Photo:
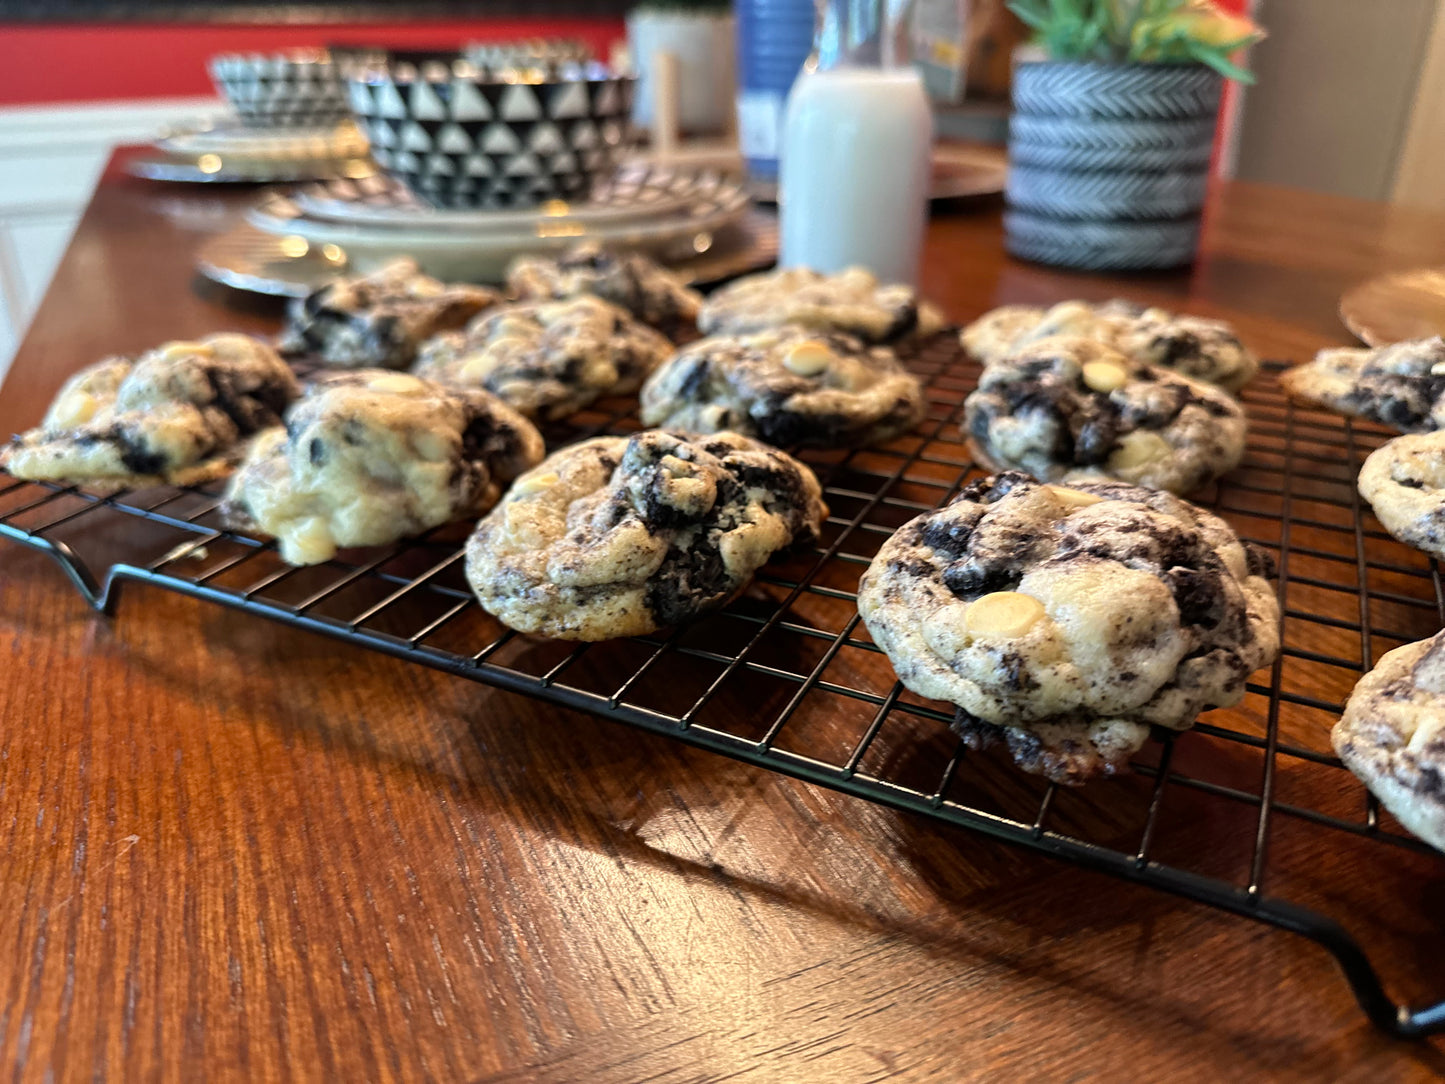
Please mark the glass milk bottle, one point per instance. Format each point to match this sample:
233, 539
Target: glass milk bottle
855, 155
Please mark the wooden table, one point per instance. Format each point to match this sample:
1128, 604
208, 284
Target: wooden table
238, 850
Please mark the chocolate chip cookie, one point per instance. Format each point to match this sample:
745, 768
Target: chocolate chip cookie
852, 301
1206, 350
787, 386
650, 292
1402, 385
1404, 481
1392, 736
548, 359
1069, 407
1066, 621
379, 320
620, 536
369, 457
174, 416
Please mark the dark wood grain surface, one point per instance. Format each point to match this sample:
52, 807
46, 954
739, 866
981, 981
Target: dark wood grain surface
233, 850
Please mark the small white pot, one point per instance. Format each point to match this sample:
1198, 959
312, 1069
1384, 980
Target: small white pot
703, 44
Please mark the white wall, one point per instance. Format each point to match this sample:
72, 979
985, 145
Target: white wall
50, 158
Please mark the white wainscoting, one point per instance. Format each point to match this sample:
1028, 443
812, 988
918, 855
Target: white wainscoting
50, 157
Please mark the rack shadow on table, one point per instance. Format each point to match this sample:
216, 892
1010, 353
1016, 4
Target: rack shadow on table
1249, 812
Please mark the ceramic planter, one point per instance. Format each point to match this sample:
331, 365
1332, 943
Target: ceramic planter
1109, 163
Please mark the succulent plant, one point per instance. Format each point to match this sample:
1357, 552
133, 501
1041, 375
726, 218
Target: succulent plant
1143, 31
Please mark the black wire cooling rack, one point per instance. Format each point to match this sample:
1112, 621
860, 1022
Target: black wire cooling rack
1249, 812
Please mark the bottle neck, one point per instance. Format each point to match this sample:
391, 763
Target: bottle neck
861, 34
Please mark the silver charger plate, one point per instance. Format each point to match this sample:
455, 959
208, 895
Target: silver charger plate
247, 259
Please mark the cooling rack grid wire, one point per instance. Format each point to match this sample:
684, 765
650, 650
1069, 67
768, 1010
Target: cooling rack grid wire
1248, 812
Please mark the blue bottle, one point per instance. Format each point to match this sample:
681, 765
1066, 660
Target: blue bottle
774, 39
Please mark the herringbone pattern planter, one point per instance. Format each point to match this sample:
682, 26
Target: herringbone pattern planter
1109, 163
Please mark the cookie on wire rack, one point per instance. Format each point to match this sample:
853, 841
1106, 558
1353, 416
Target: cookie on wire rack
852, 301
1404, 481
1401, 385
787, 386
1392, 736
621, 536
176, 415
1065, 622
1203, 349
369, 456
381, 319
650, 292
1068, 408
548, 359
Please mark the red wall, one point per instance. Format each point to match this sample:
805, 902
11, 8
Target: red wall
73, 63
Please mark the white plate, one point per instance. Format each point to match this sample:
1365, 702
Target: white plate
234, 170
339, 141
483, 255
635, 194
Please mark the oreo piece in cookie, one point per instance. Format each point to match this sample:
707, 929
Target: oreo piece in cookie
1401, 385
852, 301
650, 292
176, 415
1066, 621
369, 457
548, 359
620, 536
1392, 735
1068, 408
379, 320
787, 386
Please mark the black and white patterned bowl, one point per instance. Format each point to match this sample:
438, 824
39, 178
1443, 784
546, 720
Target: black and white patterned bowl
300, 89
459, 136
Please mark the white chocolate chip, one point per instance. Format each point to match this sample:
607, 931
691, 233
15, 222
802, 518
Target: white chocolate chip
1073, 498
1005, 614
182, 349
1104, 376
310, 542
1138, 449
425, 287
476, 369
74, 410
433, 447
1438, 369
1430, 724
507, 344
808, 358
511, 326
529, 484
396, 384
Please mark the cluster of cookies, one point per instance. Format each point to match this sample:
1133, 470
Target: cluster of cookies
1392, 734
610, 537
1071, 602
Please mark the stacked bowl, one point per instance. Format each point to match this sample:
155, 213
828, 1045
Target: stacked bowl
466, 136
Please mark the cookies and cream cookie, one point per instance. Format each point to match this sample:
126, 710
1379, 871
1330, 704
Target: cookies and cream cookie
1070, 407
1404, 481
379, 320
787, 386
1206, 350
852, 301
548, 359
620, 536
1392, 735
369, 456
1401, 385
651, 293
175, 415
1066, 621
